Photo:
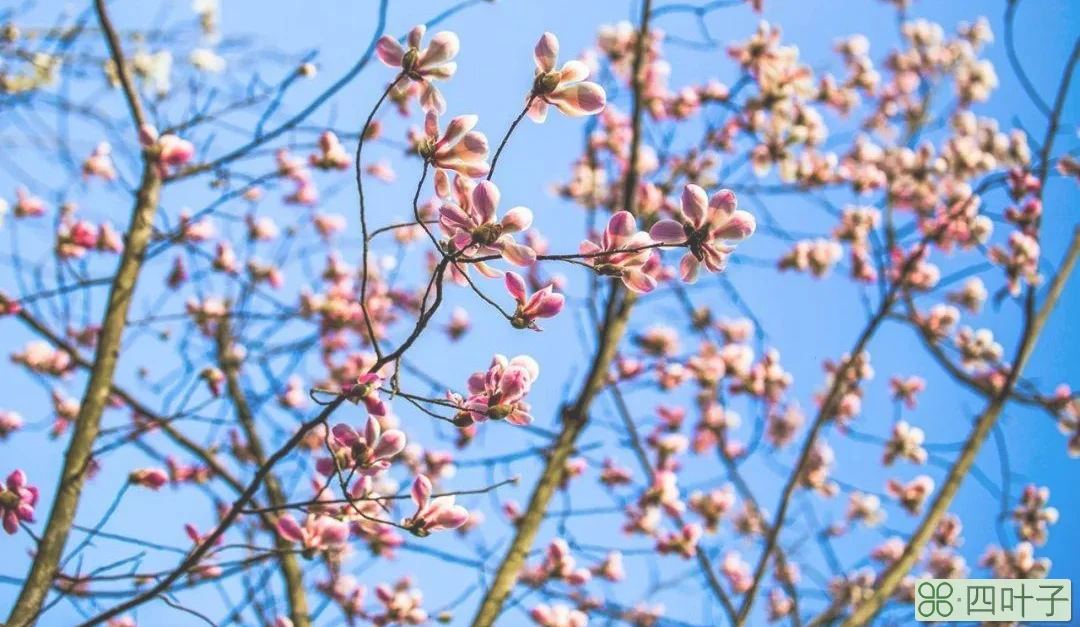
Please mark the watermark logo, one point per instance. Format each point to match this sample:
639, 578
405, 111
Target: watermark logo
1004, 600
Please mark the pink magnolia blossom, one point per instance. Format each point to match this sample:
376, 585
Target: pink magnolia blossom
565, 88
402, 604
702, 225
459, 149
436, 514
10, 422
623, 252
373, 451
170, 152
683, 542
422, 64
558, 616
319, 533
17, 501
911, 495
542, 304
331, 155
611, 568
99, 163
473, 227
152, 478
499, 393
366, 391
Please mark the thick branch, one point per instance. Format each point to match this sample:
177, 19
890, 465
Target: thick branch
290, 567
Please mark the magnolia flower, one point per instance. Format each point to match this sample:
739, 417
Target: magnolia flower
906, 443
27, 205
622, 252
152, 478
473, 225
366, 391
169, 151
558, 616
319, 533
433, 514
565, 88
1032, 516
460, 149
542, 304
703, 224
499, 393
99, 163
422, 65
10, 422
331, 155
911, 495
611, 568
17, 501
372, 452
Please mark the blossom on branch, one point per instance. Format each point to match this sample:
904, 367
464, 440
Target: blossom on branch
565, 88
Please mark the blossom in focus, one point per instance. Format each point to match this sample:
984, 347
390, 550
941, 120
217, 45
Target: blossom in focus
499, 393
542, 304
703, 225
435, 514
422, 64
623, 251
460, 148
472, 225
565, 88
366, 391
319, 533
372, 451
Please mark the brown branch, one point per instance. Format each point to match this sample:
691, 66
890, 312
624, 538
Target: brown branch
290, 568
620, 304
88, 422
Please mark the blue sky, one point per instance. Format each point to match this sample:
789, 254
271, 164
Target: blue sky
808, 320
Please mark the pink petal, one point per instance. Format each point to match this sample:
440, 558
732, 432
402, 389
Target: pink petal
515, 285
538, 110
288, 528
639, 281
517, 219
741, 226
517, 254
546, 52
668, 232
345, 435
421, 491
688, 268
573, 72
580, 99
390, 444
694, 203
389, 51
371, 431
444, 46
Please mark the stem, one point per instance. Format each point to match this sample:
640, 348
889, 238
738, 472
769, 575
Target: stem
506, 138
363, 216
